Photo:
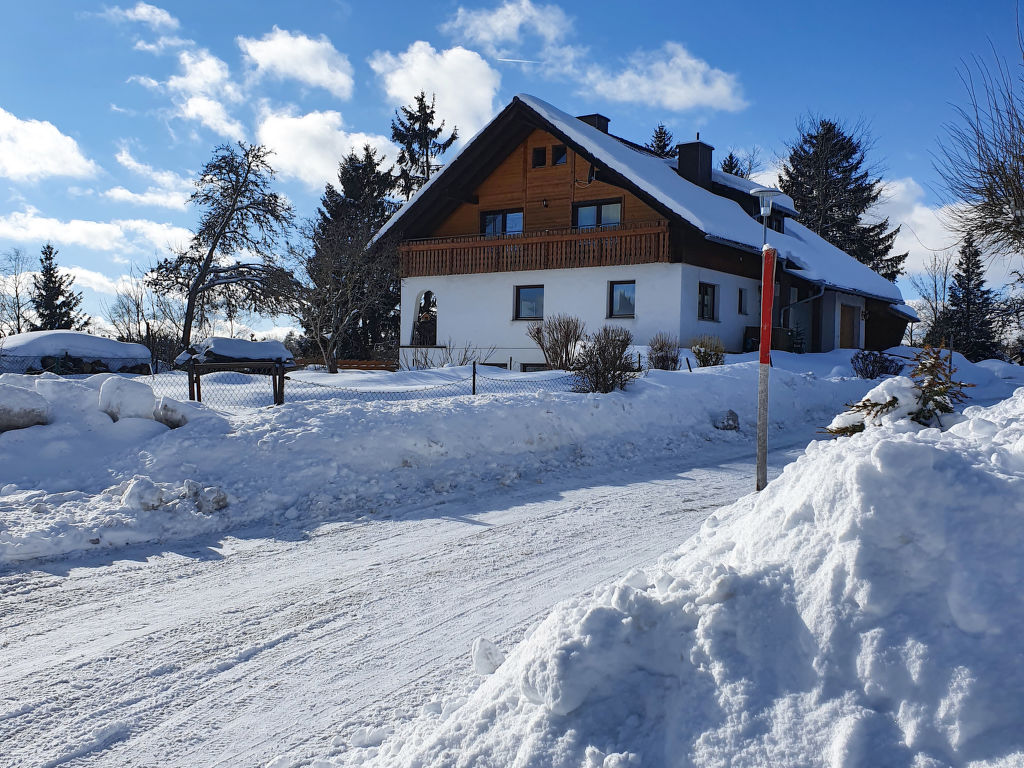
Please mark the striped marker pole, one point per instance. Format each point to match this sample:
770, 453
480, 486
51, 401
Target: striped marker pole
764, 368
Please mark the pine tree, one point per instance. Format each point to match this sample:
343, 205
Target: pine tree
971, 305
54, 303
662, 142
937, 391
826, 176
353, 289
420, 140
731, 164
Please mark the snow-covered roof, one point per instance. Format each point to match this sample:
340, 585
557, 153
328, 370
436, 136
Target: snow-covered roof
781, 201
74, 343
907, 311
719, 218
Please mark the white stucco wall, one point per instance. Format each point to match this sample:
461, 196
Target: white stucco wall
478, 309
729, 324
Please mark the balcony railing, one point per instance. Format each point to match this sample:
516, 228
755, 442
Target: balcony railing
639, 243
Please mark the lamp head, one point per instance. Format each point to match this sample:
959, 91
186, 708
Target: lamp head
765, 195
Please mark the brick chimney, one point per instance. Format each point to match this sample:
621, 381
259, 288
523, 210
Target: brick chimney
598, 121
694, 162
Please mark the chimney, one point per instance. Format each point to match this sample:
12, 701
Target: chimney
598, 121
694, 162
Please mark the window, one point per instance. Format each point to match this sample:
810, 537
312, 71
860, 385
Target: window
558, 154
742, 305
540, 157
794, 295
501, 223
706, 300
529, 302
622, 299
598, 214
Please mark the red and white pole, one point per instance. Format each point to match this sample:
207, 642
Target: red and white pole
764, 368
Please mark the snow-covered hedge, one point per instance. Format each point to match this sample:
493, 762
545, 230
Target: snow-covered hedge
39, 350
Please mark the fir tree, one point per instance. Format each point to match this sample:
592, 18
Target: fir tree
353, 289
827, 178
937, 391
731, 164
662, 142
420, 140
971, 305
54, 303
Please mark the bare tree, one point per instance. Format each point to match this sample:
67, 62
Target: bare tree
15, 290
981, 159
932, 286
240, 217
559, 338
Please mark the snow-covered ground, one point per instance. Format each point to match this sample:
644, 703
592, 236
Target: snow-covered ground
308, 581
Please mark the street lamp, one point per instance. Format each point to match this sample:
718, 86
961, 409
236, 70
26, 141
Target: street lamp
764, 196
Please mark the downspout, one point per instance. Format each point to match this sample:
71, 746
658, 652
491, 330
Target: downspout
818, 295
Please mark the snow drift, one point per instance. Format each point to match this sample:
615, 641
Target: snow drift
865, 609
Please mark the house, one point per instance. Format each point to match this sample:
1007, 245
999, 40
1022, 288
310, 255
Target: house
544, 213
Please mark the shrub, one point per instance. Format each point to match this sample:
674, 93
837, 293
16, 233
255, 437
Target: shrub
708, 350
873, 365
663, 352
604, 363
559, 338
938, 391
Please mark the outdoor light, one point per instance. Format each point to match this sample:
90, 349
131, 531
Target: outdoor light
764, 356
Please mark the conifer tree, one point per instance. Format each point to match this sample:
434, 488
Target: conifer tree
54, 302
662, 142
971, 306
413, 130
731, 164
827, 177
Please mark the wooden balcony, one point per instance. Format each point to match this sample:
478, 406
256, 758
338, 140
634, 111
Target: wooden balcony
637, 243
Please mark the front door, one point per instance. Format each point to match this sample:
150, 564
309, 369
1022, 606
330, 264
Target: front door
849, 325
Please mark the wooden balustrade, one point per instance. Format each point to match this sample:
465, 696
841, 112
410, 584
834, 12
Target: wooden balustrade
641, 243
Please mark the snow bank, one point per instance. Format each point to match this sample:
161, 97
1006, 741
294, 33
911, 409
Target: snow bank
865, 609
25, 350
222, 348
20, 408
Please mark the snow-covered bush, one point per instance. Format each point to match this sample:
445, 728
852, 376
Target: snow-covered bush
923, 399
663, 352
605, 364
708, 350
874, 365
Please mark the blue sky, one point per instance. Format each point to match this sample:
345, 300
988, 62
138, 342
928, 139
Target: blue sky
106, 111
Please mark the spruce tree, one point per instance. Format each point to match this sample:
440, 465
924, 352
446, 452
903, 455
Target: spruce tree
731, 164
413, 130
833, 189
662, 142
971, 305
54, 303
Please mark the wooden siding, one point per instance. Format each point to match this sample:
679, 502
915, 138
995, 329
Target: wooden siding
515, 184
639, 243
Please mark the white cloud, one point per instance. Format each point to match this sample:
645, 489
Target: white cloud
168, 189
30, 227
36, 149
97, 281
496, 28
670, 78
309, 147
144, 13
465, 85
162, 43
213, 115
313, 61
923, 230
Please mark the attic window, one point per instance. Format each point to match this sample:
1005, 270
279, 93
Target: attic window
558, 154
540, 157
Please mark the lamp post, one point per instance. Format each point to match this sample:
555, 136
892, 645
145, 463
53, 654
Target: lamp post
767, 297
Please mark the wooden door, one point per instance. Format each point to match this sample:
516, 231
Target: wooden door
849, 324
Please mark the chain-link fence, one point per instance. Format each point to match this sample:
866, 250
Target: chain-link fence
72, 365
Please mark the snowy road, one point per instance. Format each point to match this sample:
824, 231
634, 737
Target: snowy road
264, 644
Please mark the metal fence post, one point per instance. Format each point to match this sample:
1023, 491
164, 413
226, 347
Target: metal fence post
474, 377
280, 383
191, 380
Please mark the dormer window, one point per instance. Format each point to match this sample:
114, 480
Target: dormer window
558, 154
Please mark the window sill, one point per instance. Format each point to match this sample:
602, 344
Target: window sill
526, 319
620, 317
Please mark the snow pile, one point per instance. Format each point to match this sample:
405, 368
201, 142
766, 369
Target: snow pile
220, 348
865, 609
20, 408
26, 350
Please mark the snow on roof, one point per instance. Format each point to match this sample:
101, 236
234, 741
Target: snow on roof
235, 349
907, 311
782, 201
74, 343
717, 217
